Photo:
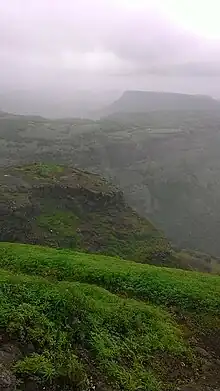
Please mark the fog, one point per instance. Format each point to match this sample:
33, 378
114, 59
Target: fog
59, 47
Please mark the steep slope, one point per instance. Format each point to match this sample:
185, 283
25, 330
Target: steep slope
166, 163
143, 101
64, 207
75, 321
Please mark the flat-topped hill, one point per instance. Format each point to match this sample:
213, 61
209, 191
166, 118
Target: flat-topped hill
144, 101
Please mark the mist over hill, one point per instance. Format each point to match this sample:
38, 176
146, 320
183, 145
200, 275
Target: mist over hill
57, 101
146, 101
166, 162
109, 195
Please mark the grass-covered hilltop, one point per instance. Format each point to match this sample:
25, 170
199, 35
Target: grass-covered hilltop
82, 304
59, 206
65, 207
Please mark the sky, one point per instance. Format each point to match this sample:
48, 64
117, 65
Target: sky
110, 44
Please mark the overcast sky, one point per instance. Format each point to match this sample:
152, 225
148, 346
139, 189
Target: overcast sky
160, 44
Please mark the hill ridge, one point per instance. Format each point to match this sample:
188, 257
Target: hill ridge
146, 101
66, 207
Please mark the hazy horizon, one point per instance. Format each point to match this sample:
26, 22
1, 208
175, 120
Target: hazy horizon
61, 48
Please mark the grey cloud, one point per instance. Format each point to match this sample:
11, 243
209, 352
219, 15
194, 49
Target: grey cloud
190, 69
52, 41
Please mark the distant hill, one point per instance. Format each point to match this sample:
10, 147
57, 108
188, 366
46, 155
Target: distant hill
145, 101
11, 116
53, 103
3, 114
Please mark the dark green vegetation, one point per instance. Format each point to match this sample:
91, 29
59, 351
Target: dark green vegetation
167, 163
82, 336
64, 207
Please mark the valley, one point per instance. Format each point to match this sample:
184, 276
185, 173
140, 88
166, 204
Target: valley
166, 163
109, 251
109, 195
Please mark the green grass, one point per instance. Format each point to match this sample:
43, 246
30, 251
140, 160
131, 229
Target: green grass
120, 335
127, 235
60, 301
187, 290
62, 222
42, 170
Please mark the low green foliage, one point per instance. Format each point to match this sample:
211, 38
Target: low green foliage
36, 365
49, 366
120, 335
187, 290
43, 170
64, 223
55, 300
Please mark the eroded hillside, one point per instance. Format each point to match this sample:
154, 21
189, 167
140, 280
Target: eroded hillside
166, 163
65, 207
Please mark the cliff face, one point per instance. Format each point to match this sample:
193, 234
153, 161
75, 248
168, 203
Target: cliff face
63, 207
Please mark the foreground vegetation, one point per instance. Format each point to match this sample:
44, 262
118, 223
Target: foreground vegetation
189, 290
85, 336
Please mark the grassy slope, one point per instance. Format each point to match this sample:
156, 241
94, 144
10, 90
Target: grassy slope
58, 206
61, 302
160, 285
181, 181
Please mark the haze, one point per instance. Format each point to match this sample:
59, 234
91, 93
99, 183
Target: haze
110, 45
